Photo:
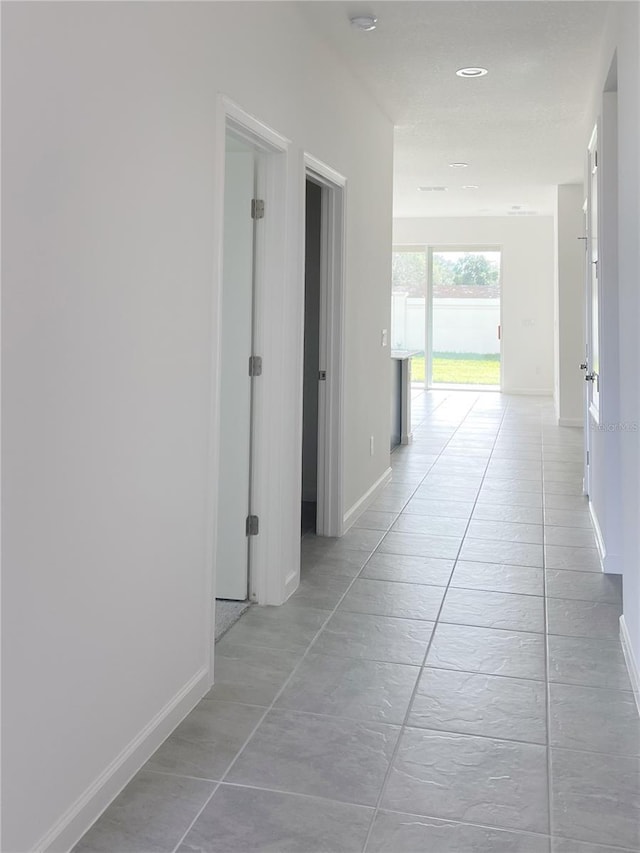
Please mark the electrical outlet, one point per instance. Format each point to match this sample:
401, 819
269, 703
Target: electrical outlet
384, 337
371, 445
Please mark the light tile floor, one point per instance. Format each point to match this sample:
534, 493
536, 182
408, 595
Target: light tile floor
448, 677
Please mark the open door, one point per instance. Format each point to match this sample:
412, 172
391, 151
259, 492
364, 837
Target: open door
591, 365
234, 486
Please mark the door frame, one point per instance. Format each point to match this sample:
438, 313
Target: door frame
591, 405
428, 356
330, 506
266, 581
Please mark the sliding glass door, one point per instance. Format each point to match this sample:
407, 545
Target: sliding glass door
463, 318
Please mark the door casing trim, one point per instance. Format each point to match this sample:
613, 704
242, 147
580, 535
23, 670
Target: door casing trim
267, 581
331, 392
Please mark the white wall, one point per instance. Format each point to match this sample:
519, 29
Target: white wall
570, 322
622, 39
629, 276
527, 246
109, 121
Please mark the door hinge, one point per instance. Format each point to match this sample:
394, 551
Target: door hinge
255, 365
587, 457
322, 375
257, 208
252, 526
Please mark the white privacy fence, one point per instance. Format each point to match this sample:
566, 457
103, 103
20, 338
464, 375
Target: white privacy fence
459, 325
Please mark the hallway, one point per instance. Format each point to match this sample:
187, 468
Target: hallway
408, 698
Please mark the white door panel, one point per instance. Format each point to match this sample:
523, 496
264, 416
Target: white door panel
592, 305
235, 392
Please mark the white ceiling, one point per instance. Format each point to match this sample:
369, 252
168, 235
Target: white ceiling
521, 128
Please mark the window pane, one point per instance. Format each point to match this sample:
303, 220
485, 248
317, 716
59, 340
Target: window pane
465, 318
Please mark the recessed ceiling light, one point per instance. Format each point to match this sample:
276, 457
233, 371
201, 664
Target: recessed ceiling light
470, 187
458, 165
472, 72
364, 22
432, 189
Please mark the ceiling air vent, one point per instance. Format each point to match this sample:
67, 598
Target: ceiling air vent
522, 212
432, 189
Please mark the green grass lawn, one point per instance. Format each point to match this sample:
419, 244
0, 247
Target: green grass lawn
464, 368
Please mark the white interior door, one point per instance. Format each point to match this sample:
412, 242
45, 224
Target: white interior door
594, 300
586, 486
232, 556
592, 360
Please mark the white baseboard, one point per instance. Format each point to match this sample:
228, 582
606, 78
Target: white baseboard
571, 422
360, 506
100, 794
291, 584
610, 563
602, 551
630, 660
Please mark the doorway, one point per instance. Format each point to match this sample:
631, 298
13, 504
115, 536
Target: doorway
312, 376
251, 166
322, 385
269, 561
591, 363
464, 318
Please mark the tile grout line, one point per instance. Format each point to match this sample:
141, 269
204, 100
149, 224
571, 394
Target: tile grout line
317, 797
471, 418
547, 704
409, 710
270, 707
391, 724
333, 611
285, 684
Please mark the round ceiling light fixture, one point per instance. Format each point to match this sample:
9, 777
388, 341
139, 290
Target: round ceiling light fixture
364, 22
470, 187
473, 71
458, 165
